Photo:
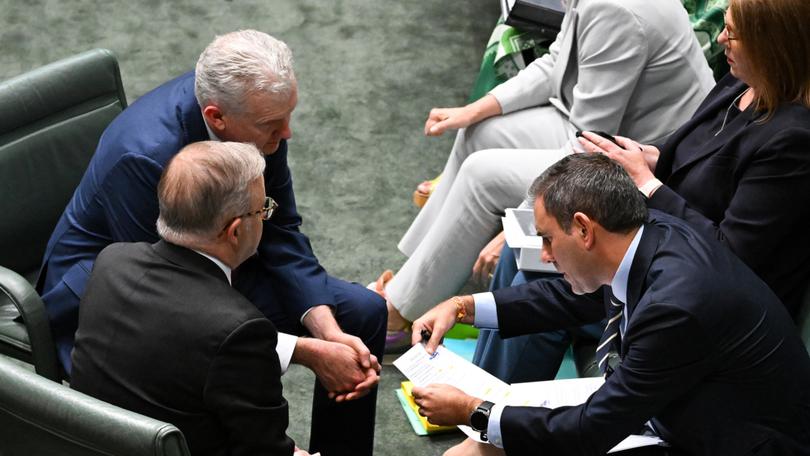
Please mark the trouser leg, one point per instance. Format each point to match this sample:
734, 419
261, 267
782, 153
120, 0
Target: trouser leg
347, 428
487, 183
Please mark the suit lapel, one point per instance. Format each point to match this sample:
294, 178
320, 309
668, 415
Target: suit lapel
721, 103
636, 283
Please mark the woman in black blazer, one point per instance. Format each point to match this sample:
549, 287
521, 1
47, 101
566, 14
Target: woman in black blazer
739, 170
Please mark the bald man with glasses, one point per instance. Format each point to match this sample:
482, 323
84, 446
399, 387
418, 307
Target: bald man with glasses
161, 330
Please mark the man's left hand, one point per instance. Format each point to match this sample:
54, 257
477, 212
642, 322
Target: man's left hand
369, 363
445, 405
322, 324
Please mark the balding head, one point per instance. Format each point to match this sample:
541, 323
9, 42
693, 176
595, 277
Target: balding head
204, 186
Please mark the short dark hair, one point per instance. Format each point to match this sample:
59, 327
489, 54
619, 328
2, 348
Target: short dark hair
594, 185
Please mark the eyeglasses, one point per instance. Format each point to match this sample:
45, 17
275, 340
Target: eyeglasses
266, 211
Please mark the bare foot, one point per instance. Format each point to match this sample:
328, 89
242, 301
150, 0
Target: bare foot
396, 322
425, 188
470, 447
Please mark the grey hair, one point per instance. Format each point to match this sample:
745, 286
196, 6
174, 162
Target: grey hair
594, 185
238, 64
204, 186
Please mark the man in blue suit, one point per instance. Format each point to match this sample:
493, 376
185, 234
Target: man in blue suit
243, 89
706, 354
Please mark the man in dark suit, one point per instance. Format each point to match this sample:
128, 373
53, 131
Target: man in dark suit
244, 90
707, 355
161, 330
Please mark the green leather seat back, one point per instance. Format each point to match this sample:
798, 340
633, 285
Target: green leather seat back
39, 417
51, 119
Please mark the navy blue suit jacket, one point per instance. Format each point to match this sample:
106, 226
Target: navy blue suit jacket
748, 188
116, 201
709, 353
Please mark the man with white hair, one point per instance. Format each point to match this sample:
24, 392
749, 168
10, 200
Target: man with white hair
244, 90
163, 333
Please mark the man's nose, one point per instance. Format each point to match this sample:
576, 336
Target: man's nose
546, 256
286, 132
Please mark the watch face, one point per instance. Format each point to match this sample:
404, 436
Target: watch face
479, 420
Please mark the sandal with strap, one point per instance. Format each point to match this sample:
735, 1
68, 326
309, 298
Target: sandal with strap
424, 190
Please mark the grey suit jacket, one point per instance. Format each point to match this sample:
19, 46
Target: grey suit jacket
627, 67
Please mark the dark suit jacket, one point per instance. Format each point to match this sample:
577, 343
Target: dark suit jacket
709, 352
162, 333
116, 201
749, 189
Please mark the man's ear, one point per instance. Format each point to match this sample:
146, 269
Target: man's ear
214, 118
232, 232
583, 228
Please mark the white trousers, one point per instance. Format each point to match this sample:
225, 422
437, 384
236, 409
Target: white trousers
490, 169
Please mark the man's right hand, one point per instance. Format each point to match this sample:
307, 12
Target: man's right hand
437, 321
337, 367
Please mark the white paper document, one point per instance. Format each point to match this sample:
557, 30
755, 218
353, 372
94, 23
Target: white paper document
446, 367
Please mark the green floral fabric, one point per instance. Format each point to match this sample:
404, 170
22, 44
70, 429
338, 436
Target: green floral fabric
509, 50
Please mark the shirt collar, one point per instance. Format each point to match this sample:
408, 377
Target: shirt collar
223, 266
620, 279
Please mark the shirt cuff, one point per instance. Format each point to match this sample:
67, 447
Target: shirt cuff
650, 187
486, 314
494, 427
303, 315
284, 349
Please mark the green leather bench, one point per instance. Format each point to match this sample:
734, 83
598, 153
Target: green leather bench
51, 119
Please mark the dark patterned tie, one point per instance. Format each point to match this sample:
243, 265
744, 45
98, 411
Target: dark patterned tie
607, 351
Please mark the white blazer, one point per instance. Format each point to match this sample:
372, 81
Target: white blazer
627, 67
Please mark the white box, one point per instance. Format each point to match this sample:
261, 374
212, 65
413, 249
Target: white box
518, 226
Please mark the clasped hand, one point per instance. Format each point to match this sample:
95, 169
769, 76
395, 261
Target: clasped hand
342, 362
346, 368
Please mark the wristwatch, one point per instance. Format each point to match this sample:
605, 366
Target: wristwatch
479, 418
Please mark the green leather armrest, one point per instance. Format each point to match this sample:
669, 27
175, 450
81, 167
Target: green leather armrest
17, 294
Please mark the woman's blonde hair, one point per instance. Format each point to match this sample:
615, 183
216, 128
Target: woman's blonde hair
776, 39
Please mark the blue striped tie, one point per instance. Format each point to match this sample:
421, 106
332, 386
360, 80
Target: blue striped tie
607, 355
